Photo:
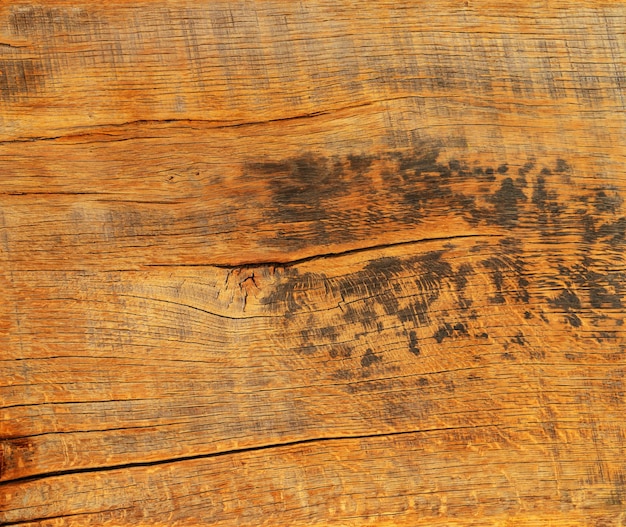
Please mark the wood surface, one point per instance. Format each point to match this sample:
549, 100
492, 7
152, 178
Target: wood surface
312, 263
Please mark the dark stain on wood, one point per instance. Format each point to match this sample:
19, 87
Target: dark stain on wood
19, 76
449, 331
58, 22
413, 343
506, 202
417, 184
369, 358
338, 387
407, 187
519, 339
13, 449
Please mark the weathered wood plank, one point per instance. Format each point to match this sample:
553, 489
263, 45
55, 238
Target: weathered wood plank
490, 476
267, 263
232, 62
207, 207
416, 78
181, 362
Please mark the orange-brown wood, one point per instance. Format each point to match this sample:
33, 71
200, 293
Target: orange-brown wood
278, 263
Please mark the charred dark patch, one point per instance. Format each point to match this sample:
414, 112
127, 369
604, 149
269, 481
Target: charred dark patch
604, 336
562, 166
416, 312
461, 279
329, 333
448, 330
496, 266
460, 328
567, 301
611, 232
540, 195
369, 358
413, 347
508, 267
600, 297
506, 202
389, 302
449, 385
429, 271
394, 189
360, 163
308, 348
307, 191
386, 267
461, 276
343, 374
573, 320
519, 339
607, 202
604, 289
302, 187
488, 174
548, 209
342, 350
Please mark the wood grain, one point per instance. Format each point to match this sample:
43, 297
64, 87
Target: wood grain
275, 263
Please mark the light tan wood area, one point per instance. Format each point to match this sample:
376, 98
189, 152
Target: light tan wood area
312, 263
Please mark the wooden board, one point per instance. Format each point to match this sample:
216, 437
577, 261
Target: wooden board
278, 263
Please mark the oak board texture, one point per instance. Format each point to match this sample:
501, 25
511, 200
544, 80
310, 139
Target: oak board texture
267, 262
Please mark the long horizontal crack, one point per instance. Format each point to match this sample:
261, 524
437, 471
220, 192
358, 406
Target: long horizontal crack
13, 45
32, 521
236, 451
109, 197
336, 254
196, 308
212, 124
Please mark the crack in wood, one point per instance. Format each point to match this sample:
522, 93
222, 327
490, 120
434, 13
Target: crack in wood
337, 254
31, 521
209, 123
234, 451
